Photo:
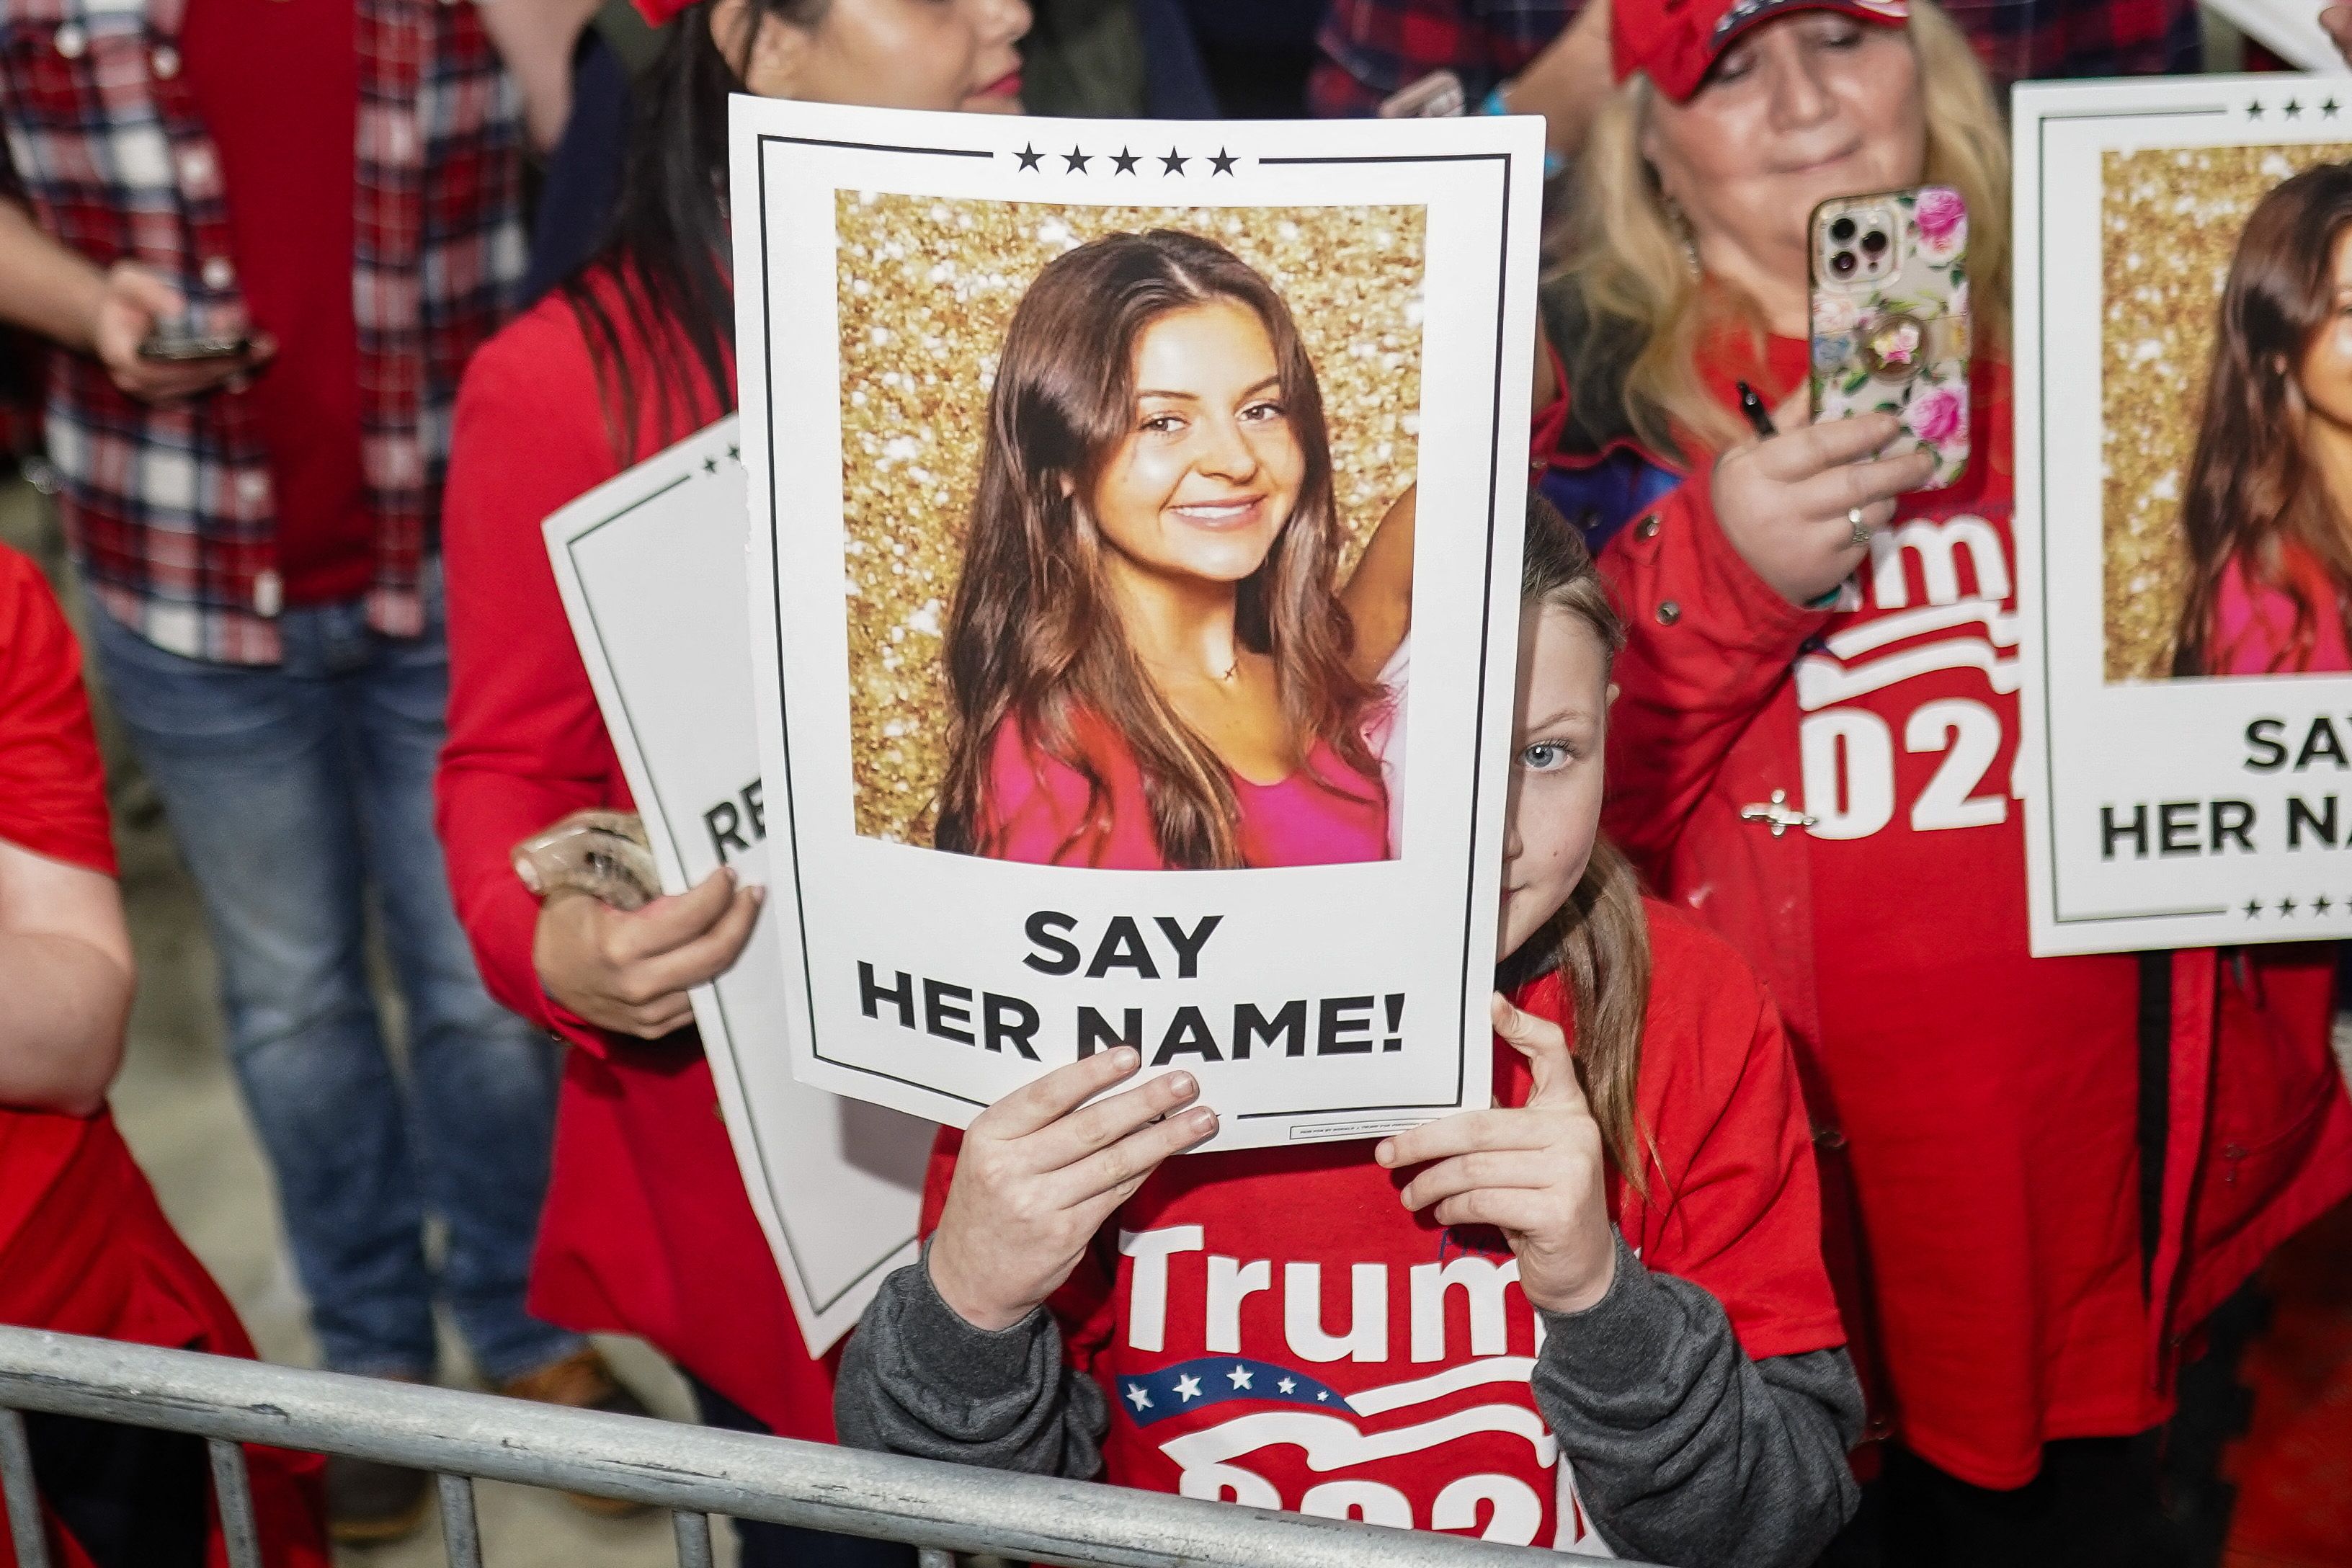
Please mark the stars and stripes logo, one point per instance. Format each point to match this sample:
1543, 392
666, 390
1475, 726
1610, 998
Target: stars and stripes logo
1196, 1384
1476, 1457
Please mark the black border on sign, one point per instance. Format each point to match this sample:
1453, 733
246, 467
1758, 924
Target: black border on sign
2042, 438
1493, 469
718, 990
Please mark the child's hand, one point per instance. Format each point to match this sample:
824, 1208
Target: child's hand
1534, 1172
1040, 1172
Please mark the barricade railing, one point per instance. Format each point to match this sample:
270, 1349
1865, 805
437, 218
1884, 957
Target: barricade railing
694, 1472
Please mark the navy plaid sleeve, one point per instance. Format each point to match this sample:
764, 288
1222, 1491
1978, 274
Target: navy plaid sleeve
2019, 39
1371, 48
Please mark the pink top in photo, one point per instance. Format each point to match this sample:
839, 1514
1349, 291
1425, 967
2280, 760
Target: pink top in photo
2254, 623
1324, 814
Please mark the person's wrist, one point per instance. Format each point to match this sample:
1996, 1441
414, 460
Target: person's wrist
1583, 1292
962, 1295
93, 291
553, 940
1498, 101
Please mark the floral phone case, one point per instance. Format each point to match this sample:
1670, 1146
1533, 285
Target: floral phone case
1891, 318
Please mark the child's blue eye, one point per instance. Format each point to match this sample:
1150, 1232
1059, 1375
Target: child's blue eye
1545, 756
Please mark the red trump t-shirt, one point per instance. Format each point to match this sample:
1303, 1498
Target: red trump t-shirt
1273, 1327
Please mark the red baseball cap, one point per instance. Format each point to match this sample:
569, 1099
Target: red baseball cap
659, 12
1678, 41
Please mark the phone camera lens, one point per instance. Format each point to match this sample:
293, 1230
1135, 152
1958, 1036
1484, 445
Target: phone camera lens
1841, 230
1842, 263
1874, 242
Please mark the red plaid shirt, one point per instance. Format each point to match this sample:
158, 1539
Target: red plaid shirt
171, 509
1371, 48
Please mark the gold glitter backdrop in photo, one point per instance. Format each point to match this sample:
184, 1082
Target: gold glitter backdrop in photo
2170, 220
928, 287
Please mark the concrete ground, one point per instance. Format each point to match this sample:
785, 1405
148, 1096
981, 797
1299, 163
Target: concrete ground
181, 1113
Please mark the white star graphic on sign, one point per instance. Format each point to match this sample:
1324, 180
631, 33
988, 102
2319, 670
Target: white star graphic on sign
1136, 1393
1188, 1388
1239, 1377
1288, 1386
1321, 1395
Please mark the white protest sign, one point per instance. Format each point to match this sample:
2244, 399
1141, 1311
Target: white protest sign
2182, 765
1111, 408
2288, 29
651, 569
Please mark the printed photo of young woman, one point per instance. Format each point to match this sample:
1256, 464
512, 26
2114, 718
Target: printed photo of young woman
2268, 508
2226, 385
1174, 630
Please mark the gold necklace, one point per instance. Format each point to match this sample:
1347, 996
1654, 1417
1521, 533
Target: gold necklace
1224, 677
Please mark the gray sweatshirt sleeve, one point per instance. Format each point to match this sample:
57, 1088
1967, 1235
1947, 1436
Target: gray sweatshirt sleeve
917, 1379
1685, 1451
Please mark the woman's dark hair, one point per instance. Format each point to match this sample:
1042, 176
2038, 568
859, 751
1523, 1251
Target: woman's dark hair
660, 340
2251, 483
1599, 939
1033, 636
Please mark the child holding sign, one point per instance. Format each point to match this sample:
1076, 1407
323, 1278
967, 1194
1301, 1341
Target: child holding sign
1645, 1356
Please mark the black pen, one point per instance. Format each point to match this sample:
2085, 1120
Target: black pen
1759, 418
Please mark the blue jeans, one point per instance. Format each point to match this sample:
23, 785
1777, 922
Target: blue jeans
301, 795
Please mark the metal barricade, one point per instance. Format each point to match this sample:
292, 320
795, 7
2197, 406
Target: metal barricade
692, 1471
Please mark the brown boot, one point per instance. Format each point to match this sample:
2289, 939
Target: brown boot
582, 1381
370, 1503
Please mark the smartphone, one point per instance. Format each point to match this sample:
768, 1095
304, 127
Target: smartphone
1890, 302
604, 854
1437, 96
177, 347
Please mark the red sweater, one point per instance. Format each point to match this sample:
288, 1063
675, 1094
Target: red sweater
647, 1228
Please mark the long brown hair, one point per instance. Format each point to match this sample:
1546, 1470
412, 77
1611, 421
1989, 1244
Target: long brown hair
1033, 636
2251, 484
1601, 938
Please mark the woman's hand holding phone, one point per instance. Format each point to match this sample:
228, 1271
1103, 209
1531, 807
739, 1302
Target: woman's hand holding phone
1041, 1170
629, 970
131, 303
1533, 1171
1787, 503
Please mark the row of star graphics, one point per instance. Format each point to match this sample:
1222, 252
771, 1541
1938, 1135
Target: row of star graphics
1076, 160
2293, 108
2287, 908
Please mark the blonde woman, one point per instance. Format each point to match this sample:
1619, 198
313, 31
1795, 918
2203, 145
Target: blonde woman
2039, 1169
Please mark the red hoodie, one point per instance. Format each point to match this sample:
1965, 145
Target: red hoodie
1831, 790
